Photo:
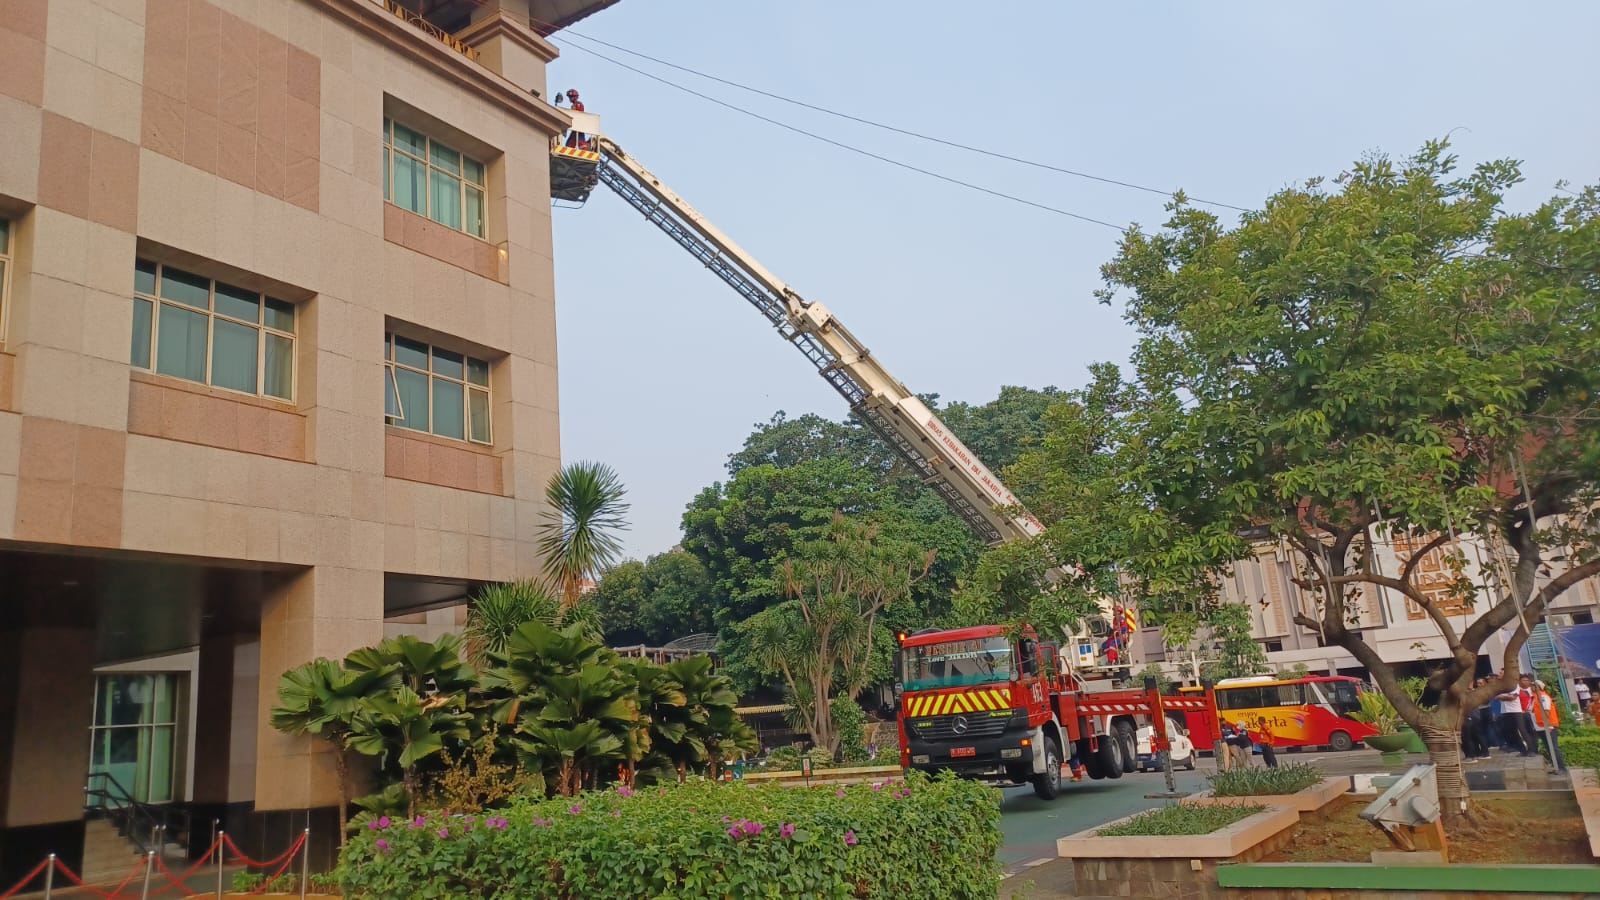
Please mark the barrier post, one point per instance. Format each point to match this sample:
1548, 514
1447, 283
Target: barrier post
149, 864
222, 837
305, 860
50, 877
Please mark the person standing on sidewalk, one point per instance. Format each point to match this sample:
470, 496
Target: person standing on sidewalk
1521, 702
1548, 720
1508, 716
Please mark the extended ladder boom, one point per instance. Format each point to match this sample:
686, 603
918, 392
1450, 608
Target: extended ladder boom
877, 397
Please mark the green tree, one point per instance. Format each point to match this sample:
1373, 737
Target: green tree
1392, 357
579, 537
404, 728
820, 640
656, 602
1000, 431
320, 698
1233, 648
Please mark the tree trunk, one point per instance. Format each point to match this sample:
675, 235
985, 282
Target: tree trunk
410, 779
1444, 751
342, 767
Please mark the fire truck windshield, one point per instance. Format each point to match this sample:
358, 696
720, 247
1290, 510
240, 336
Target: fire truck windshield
958, 663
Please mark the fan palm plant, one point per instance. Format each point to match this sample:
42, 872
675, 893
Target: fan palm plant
500, 609
320, 698
579, 538
415, 726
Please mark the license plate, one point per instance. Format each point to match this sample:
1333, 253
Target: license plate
958, 752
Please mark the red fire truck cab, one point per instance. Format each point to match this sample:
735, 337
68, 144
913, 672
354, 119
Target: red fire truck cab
993, 702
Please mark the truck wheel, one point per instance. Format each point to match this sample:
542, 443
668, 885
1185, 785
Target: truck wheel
1124, 733
1340, 741
1090, 760
1110, 754
1047, 784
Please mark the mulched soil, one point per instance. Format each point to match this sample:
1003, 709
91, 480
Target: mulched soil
1500, 831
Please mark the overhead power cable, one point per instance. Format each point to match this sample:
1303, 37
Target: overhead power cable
934, 139
853, 149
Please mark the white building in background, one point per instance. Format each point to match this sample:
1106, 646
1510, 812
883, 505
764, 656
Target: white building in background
1399, 629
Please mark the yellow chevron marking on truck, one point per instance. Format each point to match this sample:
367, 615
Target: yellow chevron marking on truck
962, 702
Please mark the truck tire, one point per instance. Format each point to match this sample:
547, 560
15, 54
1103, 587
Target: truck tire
1047, 784
1110, 754
1090, 760
1130, 749
1340, 741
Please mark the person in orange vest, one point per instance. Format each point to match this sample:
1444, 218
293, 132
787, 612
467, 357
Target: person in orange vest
1548, 721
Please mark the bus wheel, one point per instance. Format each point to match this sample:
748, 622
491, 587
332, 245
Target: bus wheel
1340, 741
1110, 754
1047, 784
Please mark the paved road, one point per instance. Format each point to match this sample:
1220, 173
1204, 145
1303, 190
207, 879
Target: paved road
1031, 825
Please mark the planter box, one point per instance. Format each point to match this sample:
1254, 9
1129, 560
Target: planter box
828, 776
1171, 865
1586, 790
1355, 880
1306, 801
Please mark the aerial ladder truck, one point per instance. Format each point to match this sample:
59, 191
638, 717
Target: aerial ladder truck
993, 702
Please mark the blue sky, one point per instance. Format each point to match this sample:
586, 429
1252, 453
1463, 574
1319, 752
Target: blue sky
664, 370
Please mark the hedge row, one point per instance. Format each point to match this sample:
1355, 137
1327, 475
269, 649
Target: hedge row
1579, 752
893, 839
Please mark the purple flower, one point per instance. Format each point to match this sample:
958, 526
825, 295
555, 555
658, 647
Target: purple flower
383, 845
786, 830
419, 821
444, 832
753, 828
850, 838
616, 813
726, 819
735, 832
497, 822
383, 821
575, 809
372, 826
625, 791
841, 793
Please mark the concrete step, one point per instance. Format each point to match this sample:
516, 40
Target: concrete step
107, 855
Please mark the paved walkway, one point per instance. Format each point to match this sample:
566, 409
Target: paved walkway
1032, 872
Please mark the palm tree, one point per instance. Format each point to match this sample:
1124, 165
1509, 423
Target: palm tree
321, 698
416, 726
500, 609
579, 537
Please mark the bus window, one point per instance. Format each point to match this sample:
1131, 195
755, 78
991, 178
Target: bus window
1239, 698
1288, 694
1342, 696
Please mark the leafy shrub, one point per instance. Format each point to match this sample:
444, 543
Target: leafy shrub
1581, 752
850, 724
1171, 820
1250, 781
820, 758
1376, 710
783, 759
695, 840
245, 882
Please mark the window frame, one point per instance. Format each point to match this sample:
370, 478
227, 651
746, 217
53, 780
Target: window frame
7, 266
463, 184
262, 329
392, 367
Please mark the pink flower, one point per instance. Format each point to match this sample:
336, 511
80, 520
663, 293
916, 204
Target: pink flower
625, 791
726, 819
850, 838
841, 793
383, 845
444, 832
753, 828
877, 787
372, 825
615, 813
575, 810
419, 821
786, 830
383, 821
735, 832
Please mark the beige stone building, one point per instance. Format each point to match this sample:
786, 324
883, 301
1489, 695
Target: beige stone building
277, 364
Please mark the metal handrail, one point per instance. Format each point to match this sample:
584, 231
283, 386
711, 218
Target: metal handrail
157, 820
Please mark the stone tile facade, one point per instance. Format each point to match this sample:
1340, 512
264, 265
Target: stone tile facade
241, 141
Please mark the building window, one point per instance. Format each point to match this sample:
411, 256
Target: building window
1273, 646
426, 177
5, 272
133, 738
436, 390
191, 327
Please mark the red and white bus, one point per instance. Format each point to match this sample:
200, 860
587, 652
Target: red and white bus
1288, 712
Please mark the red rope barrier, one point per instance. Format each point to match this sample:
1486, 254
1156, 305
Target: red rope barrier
262, 864
116, 892
26, 879
287, 860
179, 880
